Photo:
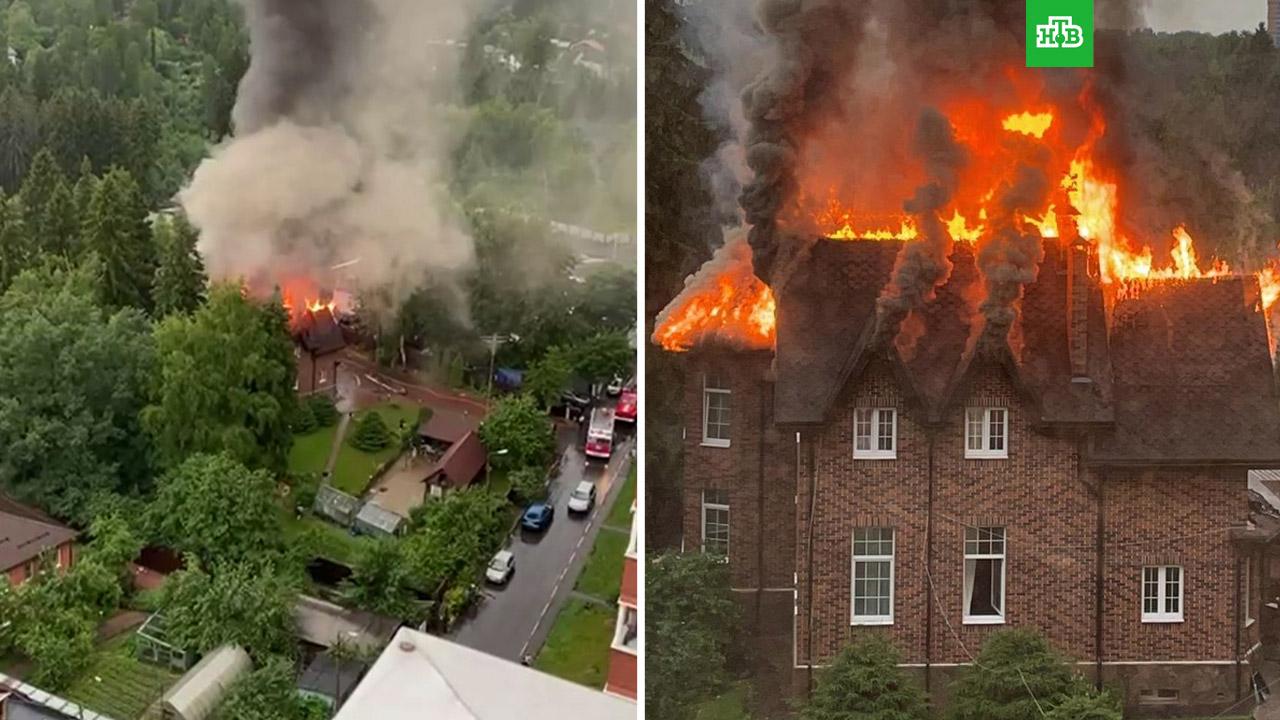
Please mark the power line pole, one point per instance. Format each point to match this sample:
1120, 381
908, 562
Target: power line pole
493, 341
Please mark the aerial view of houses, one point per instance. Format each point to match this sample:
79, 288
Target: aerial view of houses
968, 399
317, 359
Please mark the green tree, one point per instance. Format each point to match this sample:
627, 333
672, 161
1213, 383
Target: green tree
16, 253
691, 615
61, 225
529, 484
322, 407
72, 381
603, 356
515, 424
304, 420
549, 376
379, 582
180, 278
268, 693
85, 188
19, 134
1085, 704
59, 645
451, 537
216, 509
225, 382
1016, 674
44, 197
865, 682
248, 604
371, 433
116, 229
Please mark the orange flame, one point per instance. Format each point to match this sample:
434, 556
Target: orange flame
725, 300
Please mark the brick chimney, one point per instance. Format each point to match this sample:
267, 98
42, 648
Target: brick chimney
1078, 258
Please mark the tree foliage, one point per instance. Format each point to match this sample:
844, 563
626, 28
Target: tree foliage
180, 278
323, 409
865, 682
529, 484
548, 377
116, 229
603, 356
1085, 704
1016, 674
453, 535
216, 509
515, 424
248, 604
691, 616
225, 383
380, 582
268, 693
371, 433
72, 381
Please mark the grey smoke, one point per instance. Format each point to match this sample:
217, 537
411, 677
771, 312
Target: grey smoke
923, 264
1008, 258
339, 150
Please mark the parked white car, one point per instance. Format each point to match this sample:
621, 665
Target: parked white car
501, 567
583, 497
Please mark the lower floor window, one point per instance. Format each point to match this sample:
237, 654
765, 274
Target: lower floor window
1162, 593
984, 575
873, 576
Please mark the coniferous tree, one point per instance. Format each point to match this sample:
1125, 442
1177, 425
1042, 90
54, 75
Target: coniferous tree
86, 184
52, 220
62, 223
116, 229
866, 682
15, 246
371, 434
180, 278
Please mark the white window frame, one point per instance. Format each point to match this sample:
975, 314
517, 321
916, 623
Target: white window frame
854, 618
717, 506
708, 389
620, 630
873, 418
1162, 596
984, 415
975, 534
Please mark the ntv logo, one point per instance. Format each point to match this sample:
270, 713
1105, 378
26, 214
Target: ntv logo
1059, 32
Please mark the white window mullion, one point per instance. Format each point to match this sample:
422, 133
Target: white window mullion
1162, 593
871, 590
986, 433
875, 433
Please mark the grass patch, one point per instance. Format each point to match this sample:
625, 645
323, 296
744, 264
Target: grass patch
326, 539
500, 483
728, 705
311, 451
119, 685
602, 576
353, 468
620, 515
578, 647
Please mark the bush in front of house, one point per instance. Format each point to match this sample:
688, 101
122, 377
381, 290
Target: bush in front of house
1017, 674
528, 484
371, 433
322, 409
304, 419
865, 682
1087, 705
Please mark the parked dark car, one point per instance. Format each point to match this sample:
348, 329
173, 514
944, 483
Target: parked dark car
537, 517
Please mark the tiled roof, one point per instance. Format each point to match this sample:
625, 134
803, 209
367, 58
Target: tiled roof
1177, 372
25, 533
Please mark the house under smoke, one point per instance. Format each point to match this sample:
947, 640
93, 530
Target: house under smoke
1085, 477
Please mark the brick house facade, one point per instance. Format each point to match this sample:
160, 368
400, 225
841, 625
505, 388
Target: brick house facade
1126, 429
31, 541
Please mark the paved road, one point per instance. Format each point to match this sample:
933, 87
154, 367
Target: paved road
513, 621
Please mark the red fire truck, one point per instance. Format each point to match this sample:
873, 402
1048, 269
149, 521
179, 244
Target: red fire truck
600, 434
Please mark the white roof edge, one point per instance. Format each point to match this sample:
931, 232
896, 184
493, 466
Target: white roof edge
48, 700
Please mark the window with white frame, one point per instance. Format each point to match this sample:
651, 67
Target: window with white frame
628, 627
872, 576
1162, 593
715, 522
715, 411
875, 433
986, 432
984, 575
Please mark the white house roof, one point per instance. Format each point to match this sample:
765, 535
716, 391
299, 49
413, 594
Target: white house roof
421, 676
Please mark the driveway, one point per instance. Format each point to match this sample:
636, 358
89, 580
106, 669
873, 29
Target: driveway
513, 621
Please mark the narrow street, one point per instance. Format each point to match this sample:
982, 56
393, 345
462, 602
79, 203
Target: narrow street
513, 621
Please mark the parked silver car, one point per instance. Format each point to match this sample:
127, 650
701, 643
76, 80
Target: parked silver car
501, 567
583, 497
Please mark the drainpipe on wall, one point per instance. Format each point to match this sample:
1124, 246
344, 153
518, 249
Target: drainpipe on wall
1099, 566
764, 416
1239, 623
928, 572
813, 493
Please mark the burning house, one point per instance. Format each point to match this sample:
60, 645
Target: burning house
993, 406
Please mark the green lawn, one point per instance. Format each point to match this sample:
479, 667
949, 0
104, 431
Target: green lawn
119, 685
602, 576
578, 647
353, 468
729, 705
620, 515
311, 451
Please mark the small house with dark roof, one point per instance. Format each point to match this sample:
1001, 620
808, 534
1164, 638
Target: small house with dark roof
460, 465
28, 538
1084, 474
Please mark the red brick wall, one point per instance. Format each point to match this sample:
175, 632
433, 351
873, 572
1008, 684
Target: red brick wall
66, 556
622, 673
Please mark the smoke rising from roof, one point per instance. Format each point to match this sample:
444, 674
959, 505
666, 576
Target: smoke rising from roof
337, 152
